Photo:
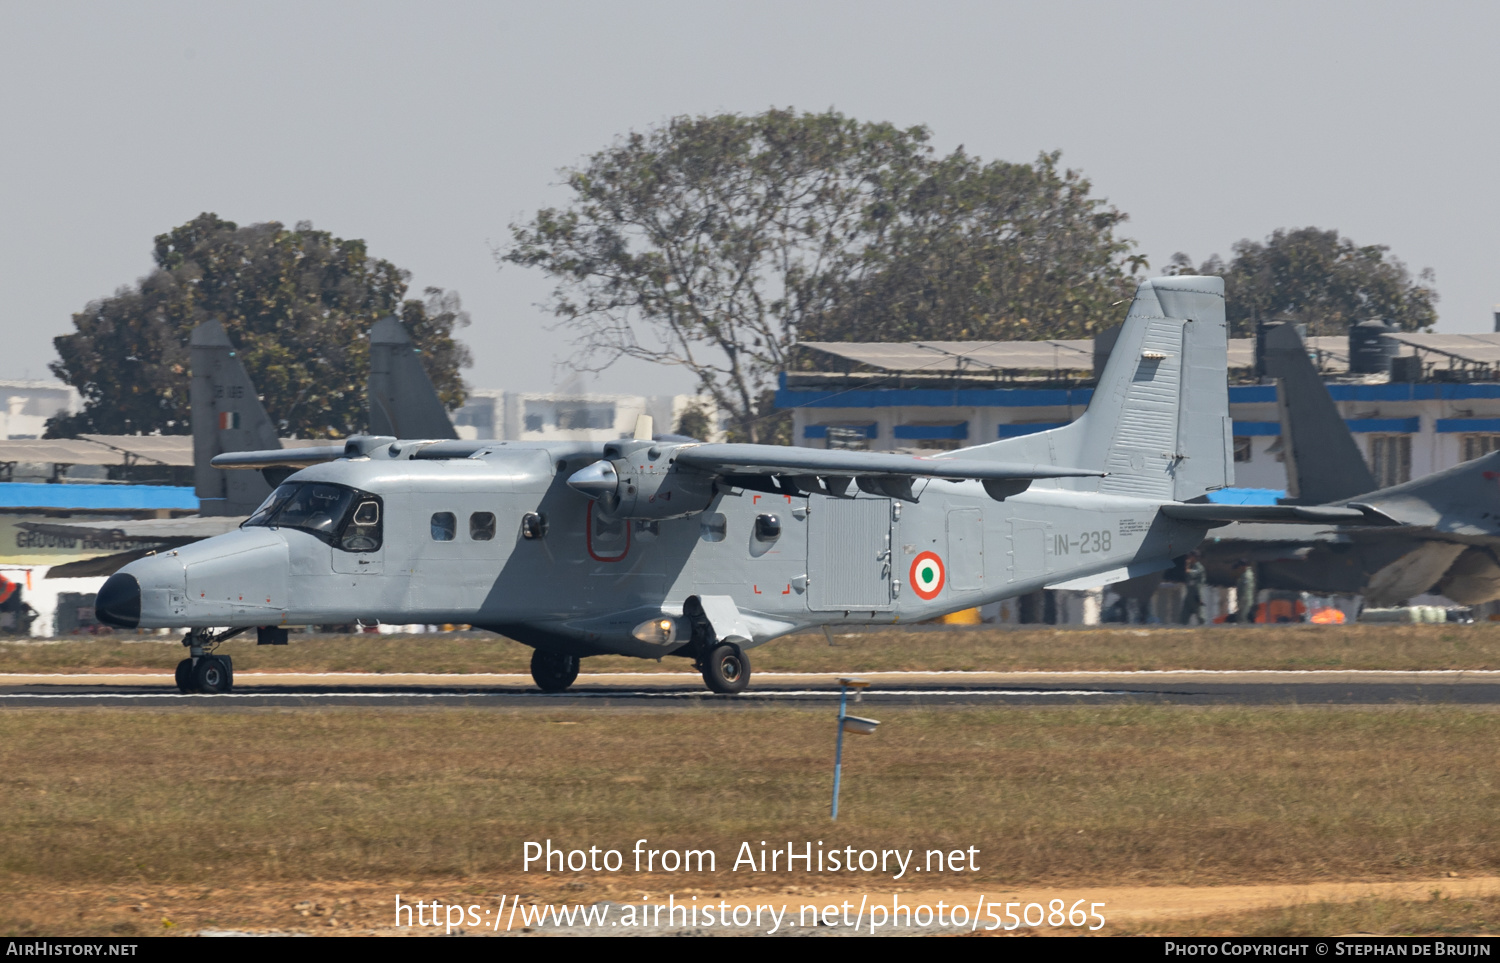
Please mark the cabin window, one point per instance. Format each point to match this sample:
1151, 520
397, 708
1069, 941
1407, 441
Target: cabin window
533, 525
444, 526
767, 528
482, 526
714, 527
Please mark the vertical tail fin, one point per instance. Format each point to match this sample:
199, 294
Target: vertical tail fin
1323, 464
1159, 419
227, 416
403, 402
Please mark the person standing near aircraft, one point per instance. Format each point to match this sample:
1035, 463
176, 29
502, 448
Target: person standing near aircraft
1244, 592
1195, 577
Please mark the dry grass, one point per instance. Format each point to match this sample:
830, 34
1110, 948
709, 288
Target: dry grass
1438, 916
1226, 648
1131, 794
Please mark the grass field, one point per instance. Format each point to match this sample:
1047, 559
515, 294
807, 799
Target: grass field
930, 648
128, 805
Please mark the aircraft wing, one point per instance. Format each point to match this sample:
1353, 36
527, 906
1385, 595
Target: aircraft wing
1293, 514
733, 459
787, 470
288, 457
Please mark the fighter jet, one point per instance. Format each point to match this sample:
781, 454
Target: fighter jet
1441, 532
703, 551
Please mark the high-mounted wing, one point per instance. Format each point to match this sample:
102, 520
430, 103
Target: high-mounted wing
781, 469
280, 457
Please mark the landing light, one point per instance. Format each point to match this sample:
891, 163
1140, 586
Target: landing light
656, 631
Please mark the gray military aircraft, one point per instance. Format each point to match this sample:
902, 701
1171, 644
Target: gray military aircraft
1440, 533
651, 548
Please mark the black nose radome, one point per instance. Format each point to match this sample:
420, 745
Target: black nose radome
119, 602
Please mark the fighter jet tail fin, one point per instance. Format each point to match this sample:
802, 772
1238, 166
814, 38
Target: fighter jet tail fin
227, 417
403, 401
1323, 462
1158, 423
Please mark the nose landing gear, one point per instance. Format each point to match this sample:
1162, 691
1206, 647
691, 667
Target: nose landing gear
203, 672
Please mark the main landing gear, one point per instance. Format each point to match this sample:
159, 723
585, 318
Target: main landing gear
552, 671
204, 673
725, 668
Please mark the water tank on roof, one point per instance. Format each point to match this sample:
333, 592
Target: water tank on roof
1370, 350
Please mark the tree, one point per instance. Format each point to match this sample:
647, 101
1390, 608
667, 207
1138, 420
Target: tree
297, 303
1318, 278
996, 251
716, 243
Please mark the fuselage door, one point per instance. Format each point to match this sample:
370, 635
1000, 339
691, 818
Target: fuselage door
849, 553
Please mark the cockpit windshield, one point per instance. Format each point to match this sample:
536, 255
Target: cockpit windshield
337, 514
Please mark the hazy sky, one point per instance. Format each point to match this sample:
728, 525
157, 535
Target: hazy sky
427, 128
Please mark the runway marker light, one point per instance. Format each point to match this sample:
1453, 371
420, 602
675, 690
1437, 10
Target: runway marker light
848, 723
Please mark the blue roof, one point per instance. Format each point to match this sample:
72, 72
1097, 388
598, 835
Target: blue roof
97, 497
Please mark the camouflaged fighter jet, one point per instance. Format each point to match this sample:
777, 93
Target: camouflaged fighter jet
651, 548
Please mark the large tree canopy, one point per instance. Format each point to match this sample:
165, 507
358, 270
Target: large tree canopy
297, 303
1317, 278
716, 243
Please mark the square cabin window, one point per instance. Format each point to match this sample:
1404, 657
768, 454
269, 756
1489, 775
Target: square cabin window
482, 526
444, 526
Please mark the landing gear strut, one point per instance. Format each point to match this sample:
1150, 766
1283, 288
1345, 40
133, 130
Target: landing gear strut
203, 672
553, 671
726, 668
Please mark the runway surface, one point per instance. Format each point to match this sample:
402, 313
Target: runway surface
661, 690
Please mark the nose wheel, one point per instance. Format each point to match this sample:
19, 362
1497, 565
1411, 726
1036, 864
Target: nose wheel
209, 675
552, 671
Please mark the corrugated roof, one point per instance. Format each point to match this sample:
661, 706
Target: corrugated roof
936, 357
176, 450
57, 451
97, 497
940, 356
1483, 349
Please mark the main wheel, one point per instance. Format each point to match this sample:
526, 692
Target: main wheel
213, 675
185, 676
726, 669
553, 671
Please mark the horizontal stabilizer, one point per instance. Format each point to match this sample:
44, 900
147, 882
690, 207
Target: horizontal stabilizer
785, 460
1293, 514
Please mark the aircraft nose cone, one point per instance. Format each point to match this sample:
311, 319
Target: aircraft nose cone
119, 602
596, 481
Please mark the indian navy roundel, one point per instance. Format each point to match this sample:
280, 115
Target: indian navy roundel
927, 575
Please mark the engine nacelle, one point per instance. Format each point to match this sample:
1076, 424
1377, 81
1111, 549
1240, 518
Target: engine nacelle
639, 479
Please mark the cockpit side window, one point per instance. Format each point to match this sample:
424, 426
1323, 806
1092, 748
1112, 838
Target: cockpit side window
339, 515
362, 532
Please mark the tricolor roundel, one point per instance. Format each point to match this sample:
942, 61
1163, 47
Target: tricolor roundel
927, 575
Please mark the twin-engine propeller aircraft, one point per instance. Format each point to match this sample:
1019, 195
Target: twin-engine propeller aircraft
653, 548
